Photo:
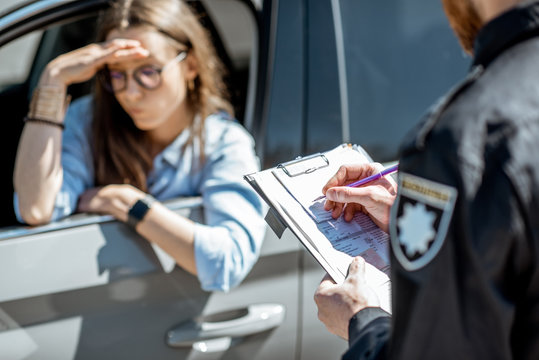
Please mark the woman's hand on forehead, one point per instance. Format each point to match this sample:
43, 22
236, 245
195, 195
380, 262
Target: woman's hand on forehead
122, 50
81, 64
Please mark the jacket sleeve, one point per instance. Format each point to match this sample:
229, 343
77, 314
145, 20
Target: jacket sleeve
368, 335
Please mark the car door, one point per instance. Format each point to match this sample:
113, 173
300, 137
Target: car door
89, 287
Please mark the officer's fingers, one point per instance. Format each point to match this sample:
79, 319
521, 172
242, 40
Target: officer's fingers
339, 178
356, 271
390, 185
327, 281
325, 285
344, 194
360, 171
337, 210
350, 211
376, 167
350, 173
329, 205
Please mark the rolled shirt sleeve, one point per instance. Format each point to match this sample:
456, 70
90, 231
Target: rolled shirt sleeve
228, 245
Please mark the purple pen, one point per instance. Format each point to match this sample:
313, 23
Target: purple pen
368, 179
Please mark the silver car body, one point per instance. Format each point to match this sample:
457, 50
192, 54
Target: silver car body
310, 76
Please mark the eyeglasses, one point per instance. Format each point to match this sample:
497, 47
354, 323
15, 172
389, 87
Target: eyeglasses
147, 76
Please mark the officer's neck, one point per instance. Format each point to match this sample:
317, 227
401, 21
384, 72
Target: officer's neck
490, 9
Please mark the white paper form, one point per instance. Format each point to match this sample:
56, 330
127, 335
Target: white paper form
308, 186
357, 237
334, 256
333, 242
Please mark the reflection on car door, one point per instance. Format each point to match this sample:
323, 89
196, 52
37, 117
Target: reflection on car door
90, 287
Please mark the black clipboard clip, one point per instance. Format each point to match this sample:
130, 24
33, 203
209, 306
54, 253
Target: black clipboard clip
304, 165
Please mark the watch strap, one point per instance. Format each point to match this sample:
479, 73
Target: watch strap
139, 209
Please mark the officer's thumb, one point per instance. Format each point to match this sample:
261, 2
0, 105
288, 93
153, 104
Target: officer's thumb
340, 194
356, 270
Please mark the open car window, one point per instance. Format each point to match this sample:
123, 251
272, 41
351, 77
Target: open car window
232, 27
223, 19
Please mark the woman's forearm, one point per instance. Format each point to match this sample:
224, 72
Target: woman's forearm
38, 172
171, 232
38, 169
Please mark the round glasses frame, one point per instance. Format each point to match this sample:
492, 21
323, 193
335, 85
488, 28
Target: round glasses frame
149, 81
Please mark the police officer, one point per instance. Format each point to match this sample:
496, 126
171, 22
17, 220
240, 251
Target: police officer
464, 226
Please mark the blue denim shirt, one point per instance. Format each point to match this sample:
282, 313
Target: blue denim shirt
228, 244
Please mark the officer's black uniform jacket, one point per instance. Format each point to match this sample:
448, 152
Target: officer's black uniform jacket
477, 297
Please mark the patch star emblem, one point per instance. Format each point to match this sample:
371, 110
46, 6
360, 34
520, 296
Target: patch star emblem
416, 228
419, 220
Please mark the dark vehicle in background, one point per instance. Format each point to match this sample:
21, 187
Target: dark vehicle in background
305, 76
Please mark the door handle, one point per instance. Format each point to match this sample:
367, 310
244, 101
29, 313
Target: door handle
219, 329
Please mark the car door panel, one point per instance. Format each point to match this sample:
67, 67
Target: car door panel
89, 287
103, 292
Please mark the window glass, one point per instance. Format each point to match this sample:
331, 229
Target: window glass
232, 27
400, 57
7, 4
237, 28
16, 59
285, 106
324, 126
237, 32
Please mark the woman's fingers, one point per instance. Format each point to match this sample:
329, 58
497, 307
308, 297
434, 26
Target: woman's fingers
120, 50
120, 43
81, 64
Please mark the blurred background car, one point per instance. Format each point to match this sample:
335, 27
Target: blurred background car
305, 76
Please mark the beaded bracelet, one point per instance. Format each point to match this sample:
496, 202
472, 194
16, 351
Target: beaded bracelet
45, 121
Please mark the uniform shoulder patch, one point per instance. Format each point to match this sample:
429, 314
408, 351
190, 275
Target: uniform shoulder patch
419, 220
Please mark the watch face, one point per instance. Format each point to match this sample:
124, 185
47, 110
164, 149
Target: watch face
139, 210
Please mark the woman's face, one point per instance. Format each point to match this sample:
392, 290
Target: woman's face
164, 106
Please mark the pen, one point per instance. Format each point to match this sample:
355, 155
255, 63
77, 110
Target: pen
368, 179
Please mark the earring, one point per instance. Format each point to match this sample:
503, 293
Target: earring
191, 85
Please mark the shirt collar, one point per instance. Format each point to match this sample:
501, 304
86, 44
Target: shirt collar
510, 28
173, 152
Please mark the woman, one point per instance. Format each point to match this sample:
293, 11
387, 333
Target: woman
157, 124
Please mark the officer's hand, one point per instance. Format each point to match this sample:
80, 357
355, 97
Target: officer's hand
338, 303
374, 199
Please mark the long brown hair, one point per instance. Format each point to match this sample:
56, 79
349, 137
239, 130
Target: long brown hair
121, 150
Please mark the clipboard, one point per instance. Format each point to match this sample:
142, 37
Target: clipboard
289, 189
304, 165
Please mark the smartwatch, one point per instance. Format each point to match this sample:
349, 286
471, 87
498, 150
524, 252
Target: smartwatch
139, 209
